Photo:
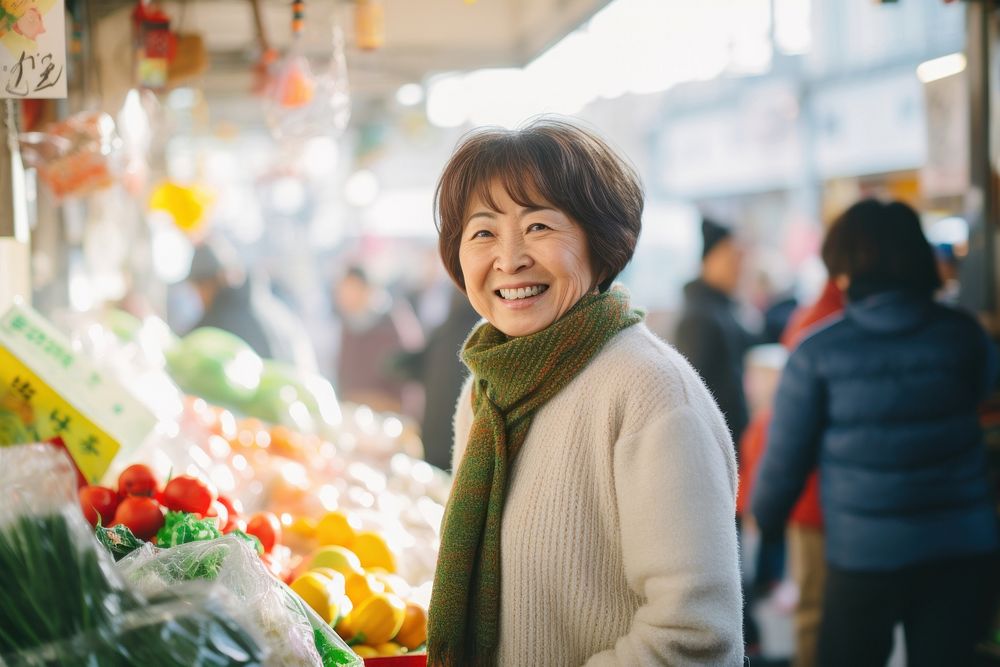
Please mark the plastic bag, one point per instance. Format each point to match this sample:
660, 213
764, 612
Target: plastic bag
282, 620
75, 156
180, 628
63, 602
300, 104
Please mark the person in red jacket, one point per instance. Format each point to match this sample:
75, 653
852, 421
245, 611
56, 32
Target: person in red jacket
805, 529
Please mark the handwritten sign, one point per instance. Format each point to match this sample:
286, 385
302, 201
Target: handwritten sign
49, 391
32, 49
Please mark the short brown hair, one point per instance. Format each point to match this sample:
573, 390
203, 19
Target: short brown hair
568, 166
880, 246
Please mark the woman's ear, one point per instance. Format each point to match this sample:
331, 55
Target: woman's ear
842, 281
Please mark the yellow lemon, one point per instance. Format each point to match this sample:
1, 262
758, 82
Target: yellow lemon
314, 589
360, 587
393, 582
303, 526
373, 551
337, 528
337, 558
344, 609
377, 619
413, 633
389, 648
366, 651
338, 581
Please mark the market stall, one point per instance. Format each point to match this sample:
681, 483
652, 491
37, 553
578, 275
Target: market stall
201, 505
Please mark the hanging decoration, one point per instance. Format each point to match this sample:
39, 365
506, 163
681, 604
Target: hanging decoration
151, 45
301, 104
75, 156
186, 204
369, 24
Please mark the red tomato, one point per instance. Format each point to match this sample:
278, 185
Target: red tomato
218, 511
138, 480
267, 527
236, 524
188, 494
142, 516
98, 502
235, 507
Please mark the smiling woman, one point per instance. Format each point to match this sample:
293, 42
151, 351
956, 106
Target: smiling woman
584, 445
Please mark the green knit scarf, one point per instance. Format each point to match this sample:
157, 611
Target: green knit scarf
513, 378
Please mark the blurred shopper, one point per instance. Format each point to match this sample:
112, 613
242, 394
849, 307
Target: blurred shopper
375, 330
240, 301
708, 332
884, 400
591, 518
712, 338
947, 265
440, 369
805, 523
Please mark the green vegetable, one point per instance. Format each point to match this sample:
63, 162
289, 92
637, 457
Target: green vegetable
329, 653
52, 584
252, 539
61, 603
215, 365
183, 527
119, 540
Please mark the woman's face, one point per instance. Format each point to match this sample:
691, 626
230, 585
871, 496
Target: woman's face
523, 267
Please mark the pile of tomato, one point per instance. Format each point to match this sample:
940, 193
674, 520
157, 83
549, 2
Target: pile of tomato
140, 502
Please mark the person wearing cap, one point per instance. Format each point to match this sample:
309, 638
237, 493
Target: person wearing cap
240, 301
709, 333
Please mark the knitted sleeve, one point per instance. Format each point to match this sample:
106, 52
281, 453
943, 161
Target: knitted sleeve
676, 499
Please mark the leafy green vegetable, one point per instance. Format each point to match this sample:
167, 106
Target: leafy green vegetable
119, 540
329, 653
183, 527
252, 539
62, 603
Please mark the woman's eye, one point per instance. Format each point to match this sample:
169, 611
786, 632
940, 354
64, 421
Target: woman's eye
481, 234
537, 227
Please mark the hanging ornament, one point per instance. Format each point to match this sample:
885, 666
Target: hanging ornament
301, 104
152, 44
187, 205
369, 24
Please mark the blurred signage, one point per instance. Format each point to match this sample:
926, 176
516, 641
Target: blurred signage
869, 125
946, 171
32, 49
752, 145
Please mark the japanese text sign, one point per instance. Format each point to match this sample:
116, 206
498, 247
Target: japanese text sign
49, 391
32, 49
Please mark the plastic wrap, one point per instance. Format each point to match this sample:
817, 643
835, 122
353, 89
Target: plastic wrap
62, 601
75, 156
285, 625
179, 628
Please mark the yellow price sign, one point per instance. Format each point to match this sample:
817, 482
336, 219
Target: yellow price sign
49, 391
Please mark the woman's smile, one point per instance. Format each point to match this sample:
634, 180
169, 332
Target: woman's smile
524, 266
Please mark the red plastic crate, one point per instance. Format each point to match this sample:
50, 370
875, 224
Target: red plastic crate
415, 660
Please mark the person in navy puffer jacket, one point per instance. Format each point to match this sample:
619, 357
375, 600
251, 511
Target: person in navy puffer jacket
883, 401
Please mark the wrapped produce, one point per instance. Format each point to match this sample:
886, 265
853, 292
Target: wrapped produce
293, 636
63, 602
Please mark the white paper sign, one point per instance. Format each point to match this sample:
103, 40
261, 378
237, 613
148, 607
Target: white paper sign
32, 49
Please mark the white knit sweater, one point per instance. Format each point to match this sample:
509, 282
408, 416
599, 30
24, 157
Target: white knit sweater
618, 543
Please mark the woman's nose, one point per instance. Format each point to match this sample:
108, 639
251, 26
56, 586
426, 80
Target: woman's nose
512, 256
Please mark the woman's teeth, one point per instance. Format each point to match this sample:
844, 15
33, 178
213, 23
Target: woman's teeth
522, 292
